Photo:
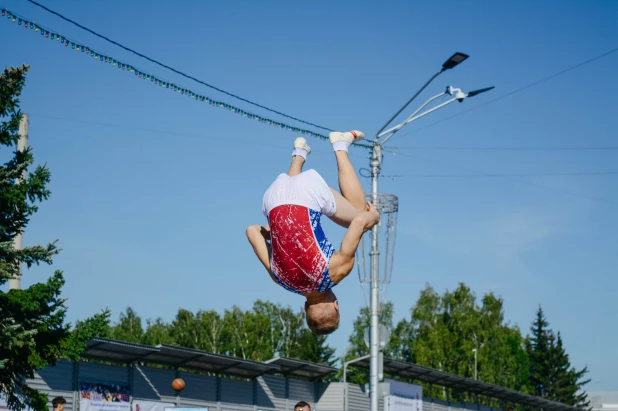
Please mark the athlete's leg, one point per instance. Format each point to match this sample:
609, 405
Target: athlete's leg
345, 211
352, 198
296, 167
349, 184
299, 156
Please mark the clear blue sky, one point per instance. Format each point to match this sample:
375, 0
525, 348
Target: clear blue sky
152, 191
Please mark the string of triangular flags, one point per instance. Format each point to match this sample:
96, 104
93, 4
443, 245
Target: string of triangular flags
155, 80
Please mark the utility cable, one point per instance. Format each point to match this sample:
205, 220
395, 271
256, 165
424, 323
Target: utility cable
594, 173
171, 68
469, 170
85, 51
177, 134
518, 90
445, 148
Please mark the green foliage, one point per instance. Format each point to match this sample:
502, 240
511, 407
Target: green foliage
551, 373
266, 331
446, 329
443, 330
18, 201
129, 328
537, 346
33, 333
313, 348
357, 346
157, 332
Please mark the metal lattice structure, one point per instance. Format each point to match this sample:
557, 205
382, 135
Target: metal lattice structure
388, 207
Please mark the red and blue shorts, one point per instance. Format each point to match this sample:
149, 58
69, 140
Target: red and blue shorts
300, 250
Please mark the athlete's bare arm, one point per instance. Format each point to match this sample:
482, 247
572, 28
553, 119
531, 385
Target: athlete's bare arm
259, 236
342, 262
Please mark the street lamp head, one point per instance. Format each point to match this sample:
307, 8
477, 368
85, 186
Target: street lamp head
479, 91
454, 60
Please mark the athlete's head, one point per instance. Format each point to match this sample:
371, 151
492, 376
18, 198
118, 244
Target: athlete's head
323, 317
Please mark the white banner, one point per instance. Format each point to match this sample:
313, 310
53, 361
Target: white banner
404, 397
406, 390
104, 397
89, 405
395, 403
187, 409
139, 405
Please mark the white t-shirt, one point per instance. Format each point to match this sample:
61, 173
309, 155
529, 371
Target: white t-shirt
306, 189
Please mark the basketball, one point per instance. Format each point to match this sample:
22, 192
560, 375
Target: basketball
178, 384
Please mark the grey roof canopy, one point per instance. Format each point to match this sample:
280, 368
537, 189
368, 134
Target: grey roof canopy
300, 368
123, 352
204, 361
116, 351
120, 351
429, 375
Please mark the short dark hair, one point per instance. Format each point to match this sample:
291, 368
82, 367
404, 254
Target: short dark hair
57, 401
302, 404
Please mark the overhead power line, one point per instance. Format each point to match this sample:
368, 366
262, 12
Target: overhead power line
222, 140
419, 148
499, 175
93, 55
518, 90
474, 173
171, 68
517, 180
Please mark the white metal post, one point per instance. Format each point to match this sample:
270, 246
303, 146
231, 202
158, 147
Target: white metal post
15, 283
345, 379
375, 286
475, 368
376, 160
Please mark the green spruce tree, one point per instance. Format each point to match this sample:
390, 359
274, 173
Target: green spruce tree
33, 333
570, 390
551, 374
538, 348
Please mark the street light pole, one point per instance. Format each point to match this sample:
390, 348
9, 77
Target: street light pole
374, 345
345, 379
475, 353
409, 101
375, 163
453, 61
